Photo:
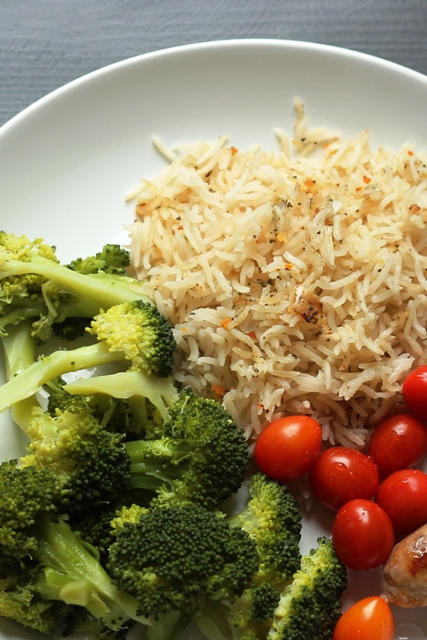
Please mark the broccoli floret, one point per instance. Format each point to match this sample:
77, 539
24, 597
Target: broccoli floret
133, 333
90, 462
25, 494
174, 556
145, 395
247, 618
24, 605
112, 259
201, 457
310, 607
272, 518
34, 285
58, 564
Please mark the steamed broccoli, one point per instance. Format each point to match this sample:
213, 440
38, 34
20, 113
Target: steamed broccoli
54, 563
134, 333
112, 259
143, 394
90, 462
170, 558
272, 519
199, 455
23, 604
310, 607
34, 285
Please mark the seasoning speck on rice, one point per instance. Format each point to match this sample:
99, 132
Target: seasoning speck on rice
295, 278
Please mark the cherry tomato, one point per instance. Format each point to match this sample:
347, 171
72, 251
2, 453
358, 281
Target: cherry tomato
340, 474
414, 391
288, 447
368, 619
403, 496
362, 534
398, 443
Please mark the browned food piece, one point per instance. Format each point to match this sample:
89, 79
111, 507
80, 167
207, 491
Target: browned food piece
405, 572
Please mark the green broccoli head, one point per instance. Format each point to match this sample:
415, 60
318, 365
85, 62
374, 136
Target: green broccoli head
21, 248
173, 557
272, 518
23, 605
310, 607
91, 462
112, 259
202, 456
141, 333
33, 285
26, 495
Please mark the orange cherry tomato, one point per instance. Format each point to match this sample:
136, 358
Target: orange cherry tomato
368, 619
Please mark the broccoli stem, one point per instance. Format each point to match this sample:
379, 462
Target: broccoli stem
134, 386
92, 291
73, 575
167, 627
154, 462
31, 379
19, 353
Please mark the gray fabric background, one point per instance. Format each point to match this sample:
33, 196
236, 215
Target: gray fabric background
46, 43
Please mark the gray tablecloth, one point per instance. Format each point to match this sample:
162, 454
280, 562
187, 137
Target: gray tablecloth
46, 43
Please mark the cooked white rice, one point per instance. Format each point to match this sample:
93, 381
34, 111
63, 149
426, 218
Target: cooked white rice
296, 279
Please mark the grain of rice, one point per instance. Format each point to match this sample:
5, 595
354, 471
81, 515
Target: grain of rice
295, 281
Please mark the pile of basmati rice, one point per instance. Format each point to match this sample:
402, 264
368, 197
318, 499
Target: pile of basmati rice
295, 278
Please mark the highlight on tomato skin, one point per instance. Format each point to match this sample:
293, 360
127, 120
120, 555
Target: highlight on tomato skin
363, 535
369, 619
398, 442
288, 447
341, 474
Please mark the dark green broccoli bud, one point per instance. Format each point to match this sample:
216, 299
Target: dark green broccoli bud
173, 557
134, 334
71, 328
202, 456
95, 528
91, 462
112, 259
273, 519
25, 495
310, 607
263, 600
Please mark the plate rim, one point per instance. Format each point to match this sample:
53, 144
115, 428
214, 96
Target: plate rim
207, 45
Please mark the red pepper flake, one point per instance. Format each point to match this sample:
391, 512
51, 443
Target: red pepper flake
225, 323
251, 334
234, 150
366, 180
358, 189
218, 390
410, 153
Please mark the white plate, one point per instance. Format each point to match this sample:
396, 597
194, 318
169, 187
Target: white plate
68, 160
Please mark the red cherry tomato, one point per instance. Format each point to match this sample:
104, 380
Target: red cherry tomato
403, 496
368, 619
340, 474
398, 443
288, 447
414, 391
362, 534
